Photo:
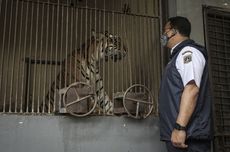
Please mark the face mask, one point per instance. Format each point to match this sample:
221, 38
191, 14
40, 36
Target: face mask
165, 38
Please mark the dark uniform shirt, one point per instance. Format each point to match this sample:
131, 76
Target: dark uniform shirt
200, 124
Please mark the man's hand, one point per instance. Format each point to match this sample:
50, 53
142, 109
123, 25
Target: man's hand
178, 138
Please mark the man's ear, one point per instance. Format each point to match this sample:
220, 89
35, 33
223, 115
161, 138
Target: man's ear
174, 31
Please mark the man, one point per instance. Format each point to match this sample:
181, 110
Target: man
184, 101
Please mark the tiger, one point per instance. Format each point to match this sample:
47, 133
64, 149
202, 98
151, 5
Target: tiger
100, 47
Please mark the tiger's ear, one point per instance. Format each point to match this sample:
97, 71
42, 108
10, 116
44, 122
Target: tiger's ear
93, 33
101, 35
106, 33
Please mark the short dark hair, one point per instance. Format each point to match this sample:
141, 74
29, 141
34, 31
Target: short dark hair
181, 24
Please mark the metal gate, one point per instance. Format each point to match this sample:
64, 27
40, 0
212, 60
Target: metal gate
217, 27
99, 57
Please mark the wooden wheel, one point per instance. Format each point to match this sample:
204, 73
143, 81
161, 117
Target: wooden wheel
79, 99
138, 101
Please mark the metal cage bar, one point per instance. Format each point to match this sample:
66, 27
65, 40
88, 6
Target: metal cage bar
217, 38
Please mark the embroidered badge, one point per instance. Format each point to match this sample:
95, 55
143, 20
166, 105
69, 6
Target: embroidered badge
187, 58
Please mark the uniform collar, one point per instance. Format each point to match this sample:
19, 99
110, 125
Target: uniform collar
179, 46
175, 47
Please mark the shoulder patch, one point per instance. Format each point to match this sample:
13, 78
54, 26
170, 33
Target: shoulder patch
187, 58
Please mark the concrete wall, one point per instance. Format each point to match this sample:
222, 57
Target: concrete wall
70, 134
193, 11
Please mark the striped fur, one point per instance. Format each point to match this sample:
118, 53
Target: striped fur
82, 65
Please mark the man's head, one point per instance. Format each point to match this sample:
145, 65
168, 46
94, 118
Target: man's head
176, 30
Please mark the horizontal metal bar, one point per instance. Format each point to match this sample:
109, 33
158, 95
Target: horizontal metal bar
47, 62
222, 134
218, 19
93, 9
222, 97
216, 26
218, 83
218, 45
219, 64
221, 90
221, 117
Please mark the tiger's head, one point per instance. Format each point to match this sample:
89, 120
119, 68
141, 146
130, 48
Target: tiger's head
109, 47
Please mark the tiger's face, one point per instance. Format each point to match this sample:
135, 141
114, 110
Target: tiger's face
115, 48
110, 47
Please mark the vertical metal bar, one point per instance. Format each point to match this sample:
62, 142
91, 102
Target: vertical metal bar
71, 46
155, 58
61, 52
113, 66
24, 60
39, 56
81, 49
51, 98
66, 43
149, 52
3, 52
145, 40
104, 31
99, 31
160, 24
91, 52
139, 48
146, 7
86, 37
122, 68
76, 45
56, 56
94, 43
224, 62
143, 54
115, 33
46, 54
14, 52
18, 63
1, 66
138, 6
148, 41
222, 123
99, 54
130, 47
35, 56
144, 71
0, 7
135, 64
126, 65
41, 51
109, 65
133, 42
95, 28
116, 79
46, 57
159, 53
8, 57
30, 54
155, 7
159, 47
135, 50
